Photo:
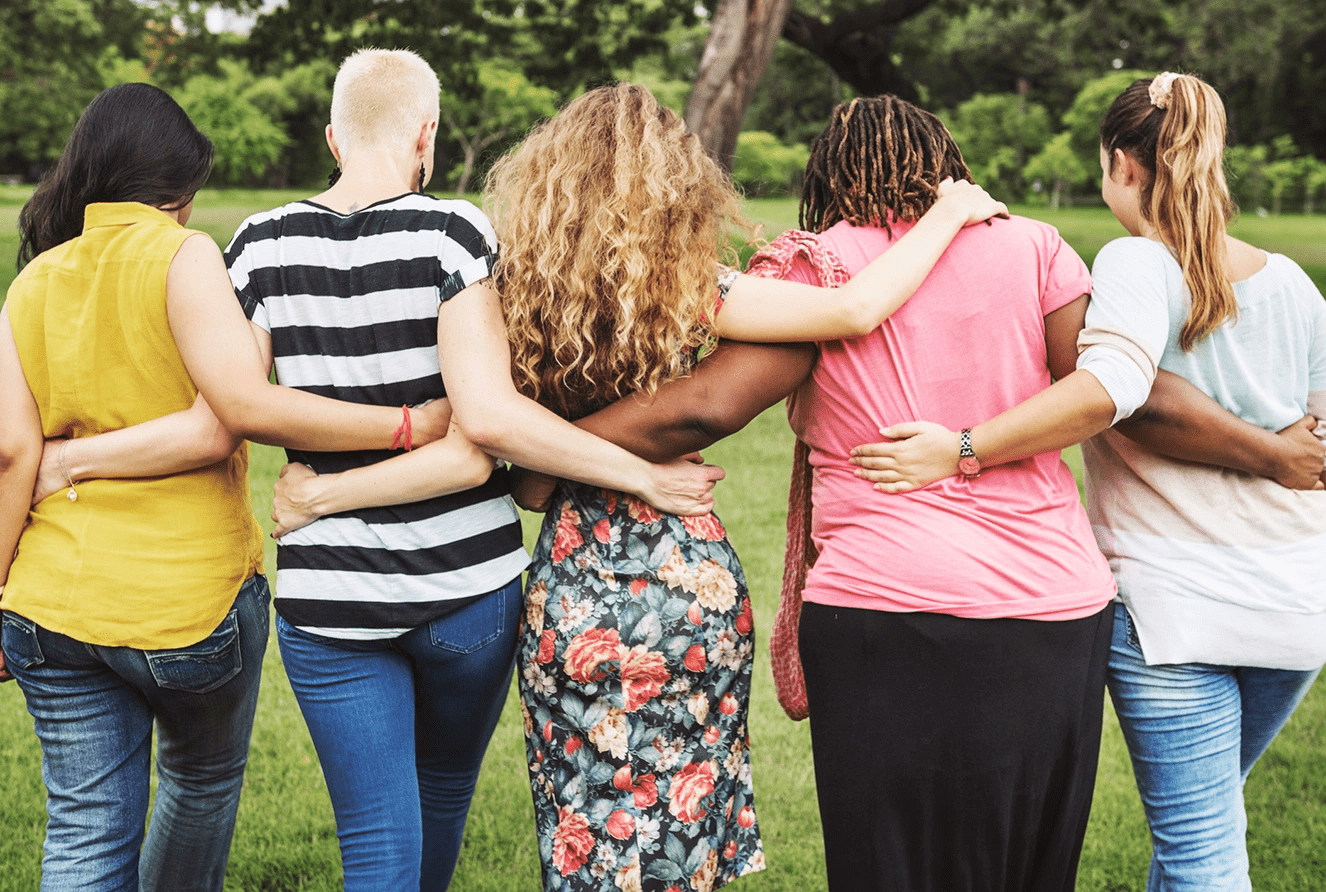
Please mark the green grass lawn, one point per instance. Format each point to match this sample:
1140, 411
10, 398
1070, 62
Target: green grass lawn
285, 837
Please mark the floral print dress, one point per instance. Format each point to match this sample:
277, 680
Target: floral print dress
635, 671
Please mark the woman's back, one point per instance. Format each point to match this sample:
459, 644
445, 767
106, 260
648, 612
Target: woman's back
1231, 559
969, 343
351, 304
89, 319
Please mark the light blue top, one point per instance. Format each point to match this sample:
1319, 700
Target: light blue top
1215, 566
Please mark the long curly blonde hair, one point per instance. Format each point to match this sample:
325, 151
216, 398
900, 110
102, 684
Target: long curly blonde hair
609, 217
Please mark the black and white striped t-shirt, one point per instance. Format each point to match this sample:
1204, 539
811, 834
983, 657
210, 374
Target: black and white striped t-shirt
351, 303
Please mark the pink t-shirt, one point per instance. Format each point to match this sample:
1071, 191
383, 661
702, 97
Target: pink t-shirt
970, 343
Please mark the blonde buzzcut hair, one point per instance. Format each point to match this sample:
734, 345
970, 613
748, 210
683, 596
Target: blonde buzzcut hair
612, 219
382, 98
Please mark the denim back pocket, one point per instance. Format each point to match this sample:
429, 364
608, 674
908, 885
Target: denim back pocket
202, 667
471, 627
20, 642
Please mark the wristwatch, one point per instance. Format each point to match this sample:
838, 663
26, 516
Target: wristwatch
969, 466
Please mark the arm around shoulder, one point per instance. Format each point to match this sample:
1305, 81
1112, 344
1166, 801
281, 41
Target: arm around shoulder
476, 366
223, 359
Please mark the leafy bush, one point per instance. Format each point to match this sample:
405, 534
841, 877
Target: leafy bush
248, 142
764, 166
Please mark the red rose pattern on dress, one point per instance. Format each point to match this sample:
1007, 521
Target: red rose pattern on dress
635, 684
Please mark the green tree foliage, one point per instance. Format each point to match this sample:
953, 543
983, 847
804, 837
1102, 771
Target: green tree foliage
1293, 176
1083, 117
248, 142
997, 134
51, 55
562, 44
297, 99
1058, 168
507, 106
763, 165
1314, 183
795, 97
1245, 171
451, 34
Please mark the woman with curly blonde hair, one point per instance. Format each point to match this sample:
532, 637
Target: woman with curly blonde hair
635, 652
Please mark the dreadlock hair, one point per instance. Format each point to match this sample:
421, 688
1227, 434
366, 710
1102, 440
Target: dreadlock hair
879, 159
1173, 126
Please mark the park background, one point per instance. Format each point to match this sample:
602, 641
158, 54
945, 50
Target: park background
1022, 84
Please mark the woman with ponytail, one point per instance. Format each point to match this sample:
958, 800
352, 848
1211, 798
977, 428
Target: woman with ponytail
1219, 571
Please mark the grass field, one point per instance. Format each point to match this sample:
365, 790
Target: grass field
285, 837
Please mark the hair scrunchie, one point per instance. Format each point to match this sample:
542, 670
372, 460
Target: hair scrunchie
1160, 88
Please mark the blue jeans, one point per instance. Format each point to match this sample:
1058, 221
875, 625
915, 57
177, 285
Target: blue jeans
1194, 731
94, 707
401, 726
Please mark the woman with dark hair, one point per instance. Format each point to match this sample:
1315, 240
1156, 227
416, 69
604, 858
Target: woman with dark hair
138, 601
1221, 628
397, 625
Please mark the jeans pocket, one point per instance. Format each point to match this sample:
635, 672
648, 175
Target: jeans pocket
202, 667
471, 627
22, 649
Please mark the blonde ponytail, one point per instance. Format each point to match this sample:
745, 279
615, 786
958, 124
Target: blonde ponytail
1174, 126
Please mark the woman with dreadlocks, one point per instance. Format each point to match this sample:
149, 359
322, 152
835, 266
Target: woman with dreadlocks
635, 652
953, 640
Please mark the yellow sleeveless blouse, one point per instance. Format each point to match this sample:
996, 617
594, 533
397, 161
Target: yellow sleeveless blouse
149, 563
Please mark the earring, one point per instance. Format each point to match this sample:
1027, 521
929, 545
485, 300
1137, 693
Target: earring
333, 176
422, 175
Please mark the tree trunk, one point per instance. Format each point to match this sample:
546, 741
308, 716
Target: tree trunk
858, 45
740, 44
467, 169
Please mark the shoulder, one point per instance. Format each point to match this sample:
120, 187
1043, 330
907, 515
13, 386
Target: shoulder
195, 247
1129, 250
1288, 271
457, 223
1291, 277
268, 225
464, 220
1042, 236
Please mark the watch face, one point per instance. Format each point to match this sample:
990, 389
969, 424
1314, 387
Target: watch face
968, 466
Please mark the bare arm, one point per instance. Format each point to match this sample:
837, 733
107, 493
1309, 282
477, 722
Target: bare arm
759, 309
728, 389
1182, 422
1177, 421
20, 447
476, 366
171, 444
224, 361
442, 467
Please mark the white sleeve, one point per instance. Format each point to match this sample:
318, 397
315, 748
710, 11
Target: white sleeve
1127, 322
1125, 382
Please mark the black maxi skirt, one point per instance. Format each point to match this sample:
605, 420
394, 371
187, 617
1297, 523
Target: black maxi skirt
951, 754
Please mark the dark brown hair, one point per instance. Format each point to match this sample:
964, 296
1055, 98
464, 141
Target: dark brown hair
132, 143
878, 158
